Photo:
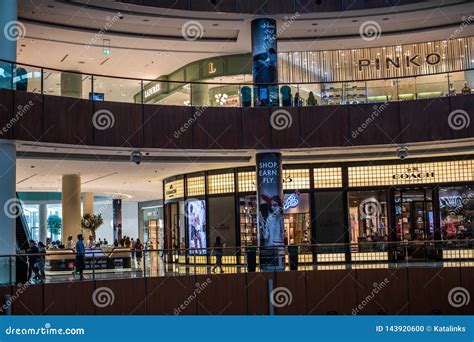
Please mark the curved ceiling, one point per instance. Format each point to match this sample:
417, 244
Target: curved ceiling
147, 42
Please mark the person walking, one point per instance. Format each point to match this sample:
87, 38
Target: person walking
80, 262
138, 251
218, 254
33, 261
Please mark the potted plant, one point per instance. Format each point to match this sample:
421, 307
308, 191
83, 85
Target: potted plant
92, 222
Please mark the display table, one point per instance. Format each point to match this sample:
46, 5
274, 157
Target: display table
98, 258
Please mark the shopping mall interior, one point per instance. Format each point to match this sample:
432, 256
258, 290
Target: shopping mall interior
322, 147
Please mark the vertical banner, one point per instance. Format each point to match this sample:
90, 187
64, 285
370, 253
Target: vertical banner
270, 211
264, 62
117, 218
196, 215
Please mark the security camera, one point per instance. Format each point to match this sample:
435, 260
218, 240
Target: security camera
402, 152
136, 157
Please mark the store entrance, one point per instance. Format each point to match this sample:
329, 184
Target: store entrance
414, 220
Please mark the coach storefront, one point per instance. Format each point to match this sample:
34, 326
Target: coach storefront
367, 204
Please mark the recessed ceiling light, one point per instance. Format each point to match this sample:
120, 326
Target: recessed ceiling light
146, 20
215, 24
314, 24
355, 20
385, 18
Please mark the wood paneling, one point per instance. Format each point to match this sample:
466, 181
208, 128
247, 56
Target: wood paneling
372, 124
127, 296
463, 123
425, 120
382, 291
324, 126
68, 120
126, 127
284, 128
467, 281
257, 293
29, 115
73, 298
162, 126
27, 299
4, 290
217, 128
6, 110
171, 296
256, 128
292, 291
429, 288
223, 294
331, 291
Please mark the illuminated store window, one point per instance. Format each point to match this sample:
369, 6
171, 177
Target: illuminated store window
248, 220
295, 179
174, 189
368, 219
419, 173
456, 208
297, 220
247, 181
221, 183
328, 178
196, 186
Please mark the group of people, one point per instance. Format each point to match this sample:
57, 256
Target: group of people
311, 101
36, 261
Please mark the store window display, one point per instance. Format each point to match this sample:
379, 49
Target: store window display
248, 221
368, 216
297, 219
456, 206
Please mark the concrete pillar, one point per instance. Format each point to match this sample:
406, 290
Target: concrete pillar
8, 211
71, 204
200, 94
43, 222
10, 30
270, 211
71, 85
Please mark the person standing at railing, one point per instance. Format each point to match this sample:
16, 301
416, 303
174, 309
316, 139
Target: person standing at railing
69, 242
218, 252
138, 251
41, 260
80, 262
312, 100
466, 89
33, 260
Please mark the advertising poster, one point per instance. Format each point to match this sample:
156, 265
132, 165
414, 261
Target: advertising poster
270, 211
196, 215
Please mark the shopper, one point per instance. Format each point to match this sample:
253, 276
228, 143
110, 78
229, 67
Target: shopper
132, 248
466, 89
80, 263
312, 100
452, 89
69, 242
138, 251
116, 243
218, 254
91, 242
41, 260
33, 260
297, 101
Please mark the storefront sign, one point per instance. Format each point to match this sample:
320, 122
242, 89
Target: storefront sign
413, 173
397, 62
174, 189
291, 201
211, 68
152, 91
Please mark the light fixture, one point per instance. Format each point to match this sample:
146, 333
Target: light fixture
106, 46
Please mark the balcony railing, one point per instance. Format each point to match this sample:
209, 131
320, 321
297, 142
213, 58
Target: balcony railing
48, 81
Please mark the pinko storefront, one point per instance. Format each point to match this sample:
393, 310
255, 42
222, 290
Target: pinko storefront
359, 207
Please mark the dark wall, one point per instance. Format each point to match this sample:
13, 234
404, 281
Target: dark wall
56, 119
222, 221
329, 220
401, 291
